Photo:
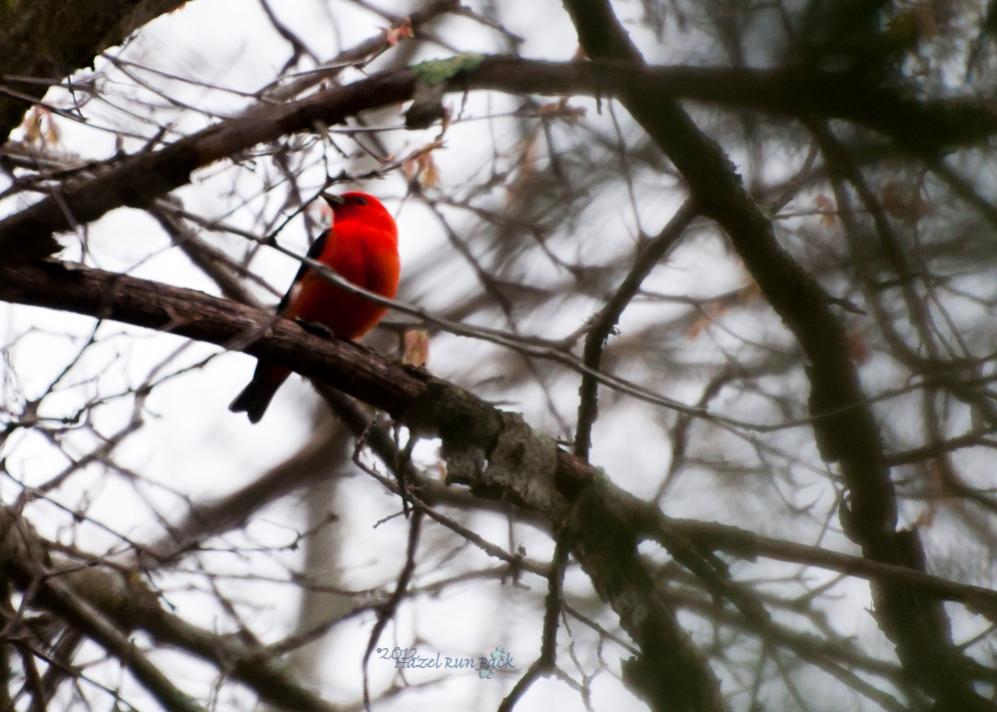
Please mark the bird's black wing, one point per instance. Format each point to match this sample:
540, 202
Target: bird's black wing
314, 252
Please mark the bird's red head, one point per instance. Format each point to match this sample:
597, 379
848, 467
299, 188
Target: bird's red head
360, 206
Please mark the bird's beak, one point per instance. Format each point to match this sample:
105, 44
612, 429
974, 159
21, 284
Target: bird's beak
334, 201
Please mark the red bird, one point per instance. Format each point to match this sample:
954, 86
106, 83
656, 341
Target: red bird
362, 247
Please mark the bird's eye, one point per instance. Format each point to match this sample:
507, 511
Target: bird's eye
360, 201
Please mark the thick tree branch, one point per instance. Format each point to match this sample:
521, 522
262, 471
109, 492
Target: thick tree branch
917, 625
23, 557
493, 452
43, 41
473, 433
921, 126
106, 605
199, 316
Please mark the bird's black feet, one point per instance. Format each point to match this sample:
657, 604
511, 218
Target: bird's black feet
313, 327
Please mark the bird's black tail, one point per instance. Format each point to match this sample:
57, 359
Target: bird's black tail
255, 397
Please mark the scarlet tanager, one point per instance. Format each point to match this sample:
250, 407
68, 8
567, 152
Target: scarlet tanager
362, 247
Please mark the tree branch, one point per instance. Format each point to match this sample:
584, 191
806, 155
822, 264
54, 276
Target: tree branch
543, 479
923, 127
72, 35
849, 433
604, 322
492, 452
24, 556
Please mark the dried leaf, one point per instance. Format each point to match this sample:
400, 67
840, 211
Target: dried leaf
562, 110
827, 210
525, 173
429, 176
415, 348
40, 128
699, 326
421, 166
716, 308
394, 35
903, 202
857, 347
